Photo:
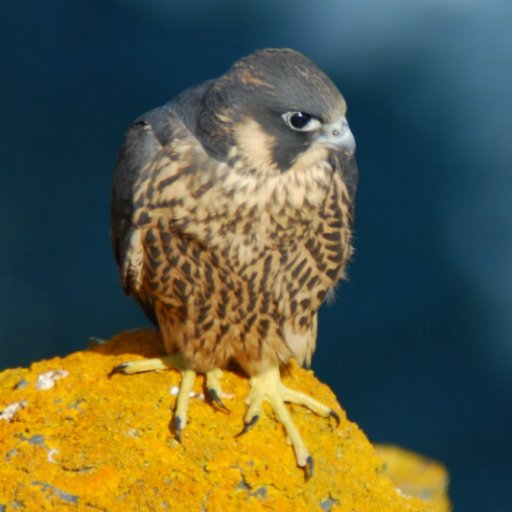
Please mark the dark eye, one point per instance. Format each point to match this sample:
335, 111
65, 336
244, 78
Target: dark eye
301, 122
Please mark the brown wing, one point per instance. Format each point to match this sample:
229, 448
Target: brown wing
150, 136
143, 142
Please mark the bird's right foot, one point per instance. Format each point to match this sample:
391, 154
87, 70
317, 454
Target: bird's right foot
175, 361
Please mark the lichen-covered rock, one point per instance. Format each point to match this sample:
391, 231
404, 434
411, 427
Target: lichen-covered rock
73, 439
417, 476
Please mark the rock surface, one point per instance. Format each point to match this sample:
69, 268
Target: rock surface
73, 439
415, 475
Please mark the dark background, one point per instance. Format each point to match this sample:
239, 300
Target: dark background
418, 344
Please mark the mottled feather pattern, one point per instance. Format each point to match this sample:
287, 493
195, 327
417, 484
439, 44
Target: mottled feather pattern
234, 255
232, 211
237, 266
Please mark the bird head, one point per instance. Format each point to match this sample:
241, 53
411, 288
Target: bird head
279, 110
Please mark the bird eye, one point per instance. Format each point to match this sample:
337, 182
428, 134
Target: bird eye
301, 122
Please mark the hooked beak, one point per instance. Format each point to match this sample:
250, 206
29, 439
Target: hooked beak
337, 135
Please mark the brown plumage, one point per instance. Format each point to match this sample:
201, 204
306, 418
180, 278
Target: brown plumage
232, 216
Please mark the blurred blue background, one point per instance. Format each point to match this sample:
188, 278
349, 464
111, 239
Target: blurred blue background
418, 344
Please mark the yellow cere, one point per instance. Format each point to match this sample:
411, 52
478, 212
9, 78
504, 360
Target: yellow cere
85, 441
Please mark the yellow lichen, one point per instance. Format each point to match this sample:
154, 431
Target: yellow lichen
416, 476
94, 442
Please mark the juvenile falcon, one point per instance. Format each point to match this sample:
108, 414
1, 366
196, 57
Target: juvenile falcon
231, 220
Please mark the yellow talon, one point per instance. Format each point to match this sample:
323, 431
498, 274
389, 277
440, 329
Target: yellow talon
181, 409
150, 365
267, 386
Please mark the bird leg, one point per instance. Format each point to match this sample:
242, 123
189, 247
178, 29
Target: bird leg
267, 386
176, 361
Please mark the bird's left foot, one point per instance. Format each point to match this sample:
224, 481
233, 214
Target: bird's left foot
267, 386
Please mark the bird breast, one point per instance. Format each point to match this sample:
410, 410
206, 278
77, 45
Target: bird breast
235, 205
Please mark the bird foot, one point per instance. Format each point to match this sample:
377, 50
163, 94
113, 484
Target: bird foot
176, 361
267, 386
214, 391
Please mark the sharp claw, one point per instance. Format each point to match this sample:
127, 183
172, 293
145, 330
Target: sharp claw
248, 425
214, 398
177, 426
336, 417
118, 369
308, 468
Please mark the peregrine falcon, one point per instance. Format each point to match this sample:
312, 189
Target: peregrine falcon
232, 212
